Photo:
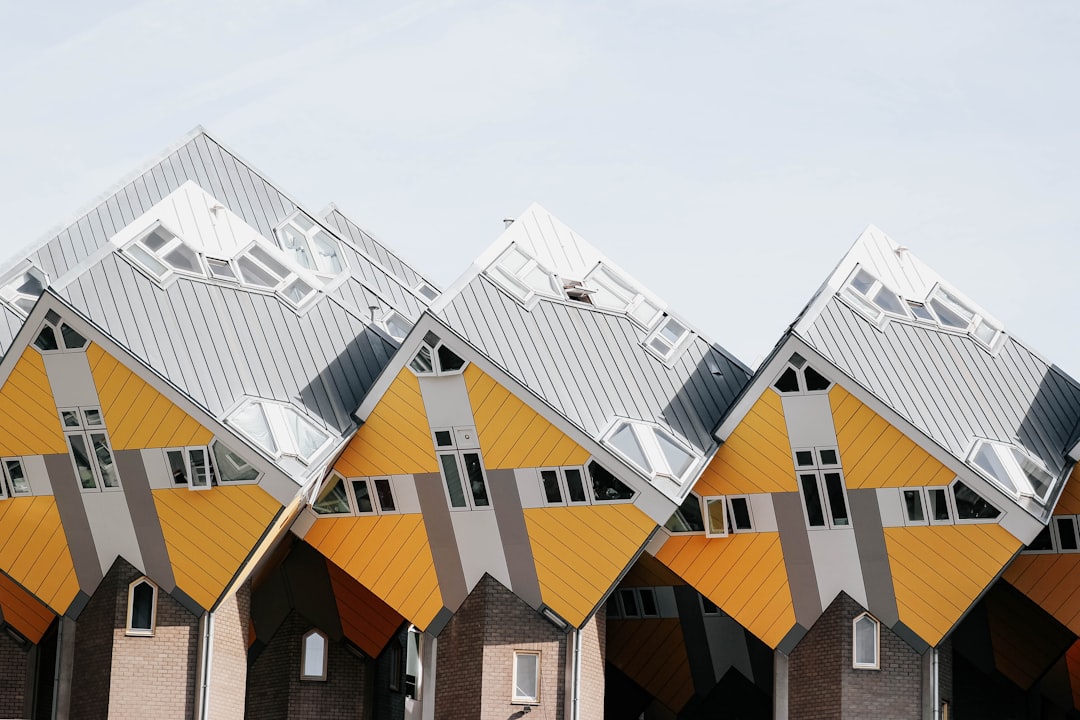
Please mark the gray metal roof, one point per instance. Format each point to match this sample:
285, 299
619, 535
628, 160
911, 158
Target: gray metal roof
590, 365
386, 257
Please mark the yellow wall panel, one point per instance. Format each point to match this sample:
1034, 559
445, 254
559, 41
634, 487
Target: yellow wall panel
395, 439
1069, 502
939, 570
756, 457
34, 551
875, 453
365, 619
23, 611
652, 653
136, 414
744, 574
512, 434
29, 423
1052, 581
210, 533
581, 550
387, 554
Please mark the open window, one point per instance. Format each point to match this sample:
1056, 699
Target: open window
142, 607
22, 289
651, 449
314, 652
613, 292
865, 642
526, 676
334, 498
869, 295
1012, 469
522, 275
279, 429
309, 246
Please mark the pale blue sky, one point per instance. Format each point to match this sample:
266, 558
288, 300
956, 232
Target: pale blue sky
725, 153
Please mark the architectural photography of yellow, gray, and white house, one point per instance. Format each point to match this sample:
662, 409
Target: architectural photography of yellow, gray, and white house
255, 465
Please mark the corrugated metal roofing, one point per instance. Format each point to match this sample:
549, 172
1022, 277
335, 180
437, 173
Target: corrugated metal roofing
591, 367
383, 255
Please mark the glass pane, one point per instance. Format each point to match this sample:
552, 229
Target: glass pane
575, 486
677, 459
427, 291
834, 486
453, 480
947, 317
363, 496
865, 641
1038, 478
444, 438
221, 269
92, 417
303, 222
142, 607
72, 339
985, 332
386, 495
183, 258
740, 511
919, 311
19, 484
159, 238
177, 466
252, 274
422, 362
629, 602
804, 458
814, 380
327, 256
606, 486
82, 461
70, 418
552, 491
716, 514
1042, 541
251, 420
648, 602
939, 505
970, 505
673, 331
314, 655
828, 457
46, 339
660, 346
269, 262
987, 459
475, 473
1066, 527
293, 242
625, 441
788, 381
397, 326
332, 499
913, 506
514, 260
448, 361
688, 517
200, 468
526, 673
104, 460
30, 283
148, 261
862, 281
307, 437
815, 512
890, 302
539, 280
297, 291
232, 467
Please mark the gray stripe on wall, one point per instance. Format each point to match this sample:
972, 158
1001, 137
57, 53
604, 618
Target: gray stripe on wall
144, 518
795, 544
873, 555
76, 525
440, 532
695, 638
515, 536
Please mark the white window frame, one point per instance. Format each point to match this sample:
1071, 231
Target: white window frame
335, 477
83, 430
732, 528
855, 664
976, 319
323, 661
866, 303
463, 441
819, 469
185, 456
220, 461
706, 517
142, 632
7, 486
427, 291
1004, 452
632, 301
513, 281
564, 485
971, 521
436, 363
668, 349
515, 698
308, 237
284, 443
18, 277
1055, 534
159, 255
392, 317
950, 504
56, 325
646, 436
924, 500
799, 365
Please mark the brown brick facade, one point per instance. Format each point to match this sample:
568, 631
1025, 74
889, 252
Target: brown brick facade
822, 685
15, 661
228, 671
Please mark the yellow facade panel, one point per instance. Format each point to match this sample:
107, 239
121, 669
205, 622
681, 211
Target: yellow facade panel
1052, 581
744, 574
34, 551
210, 533
23, 611
28, 419
756, 457
939, 570
1069, 502
581, 550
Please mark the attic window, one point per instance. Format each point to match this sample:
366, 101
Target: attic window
799, 378
279, 429
22, 290
612, 292
1012, 469
522, 276
668, 337
427, 291
396, 325
309, 246
162, 252
57, 336
437, 360
651, 449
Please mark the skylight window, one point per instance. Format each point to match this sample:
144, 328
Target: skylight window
1012, 469
438, 360
309, 246
651, 449
23, 289
161, 253
668, 337
873, 298
799, 378
427, 291
614, 293
279, 429
396, 325
521, 275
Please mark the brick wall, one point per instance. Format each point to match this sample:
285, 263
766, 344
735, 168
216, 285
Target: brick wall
823, 685
388, 704
14, 660
593, 657
119, 676
459, 664
275, 690
228, 674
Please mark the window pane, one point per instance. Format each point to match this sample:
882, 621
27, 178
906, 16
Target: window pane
606, 486
624, 440
422, 362
629, 602
72, 339
307, 437
268, 260
177, 466
363, 496
1042, 541
740, 510
648, 602
92, 417
385, 494
148, 261
970, 505
862, 281
221, 269
688, 517
889, 302
251, 419
804, 458
939, 505
231, 466
252, 274
158, 238
142, 607
834, 486
453, 480
332, 499
814, 379
987, 459
104, 460
947, 317
715, 512
82, 461
297, 291
46, 339
913, 506
200, 468
526, 676
71, 418
326, 253
828, 457
815, 513
183, 258
475, 473
677, 459
448, 361
19, 484
397, 326
314, 655
293, 242
1066, 527
575, 486
552, 491
788, 381
866, 641
443, 438
1038, 478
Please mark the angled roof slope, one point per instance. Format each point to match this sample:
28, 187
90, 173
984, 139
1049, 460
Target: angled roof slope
956, 379
589, 363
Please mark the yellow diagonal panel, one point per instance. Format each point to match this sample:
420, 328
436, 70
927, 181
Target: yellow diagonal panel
939, 570
1069, 502
210, 533
652, 653
756, 457
387, 554
744, 574
23, 611
395, 439
580, 551
1052, 581
29, 423
875, 453
512, 434
136, 414
34, 551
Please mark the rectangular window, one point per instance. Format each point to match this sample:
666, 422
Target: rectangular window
1065, 529
89, 448
15, 478
716, 517
821, 483
563, 486
526, 677
629, 603
384, 493
940, 512
914, 506
191, 467
668, 337
462, 469
741, 519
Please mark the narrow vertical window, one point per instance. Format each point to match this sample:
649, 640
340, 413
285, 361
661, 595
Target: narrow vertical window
716, 517
866, 636
413, 678
815, 513
142, 607
313, 653
526, 677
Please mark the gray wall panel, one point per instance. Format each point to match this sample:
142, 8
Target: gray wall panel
144, 518
69, 504
441, 539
